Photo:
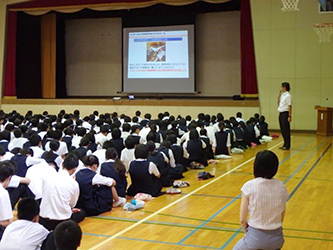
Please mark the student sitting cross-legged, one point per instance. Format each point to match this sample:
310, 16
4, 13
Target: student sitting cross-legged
97, 192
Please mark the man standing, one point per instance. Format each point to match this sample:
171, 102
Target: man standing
285, 108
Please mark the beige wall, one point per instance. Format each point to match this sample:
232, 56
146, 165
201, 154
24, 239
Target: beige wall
287, 49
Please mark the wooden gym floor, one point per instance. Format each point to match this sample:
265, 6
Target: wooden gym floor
206, 214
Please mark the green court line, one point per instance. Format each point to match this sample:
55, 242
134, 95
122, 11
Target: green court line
158, 223
206, 227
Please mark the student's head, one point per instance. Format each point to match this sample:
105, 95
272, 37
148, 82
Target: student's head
285, 86
90, 161
5, 135
151, 146
141, 151
221, 125
239, 115
71, 162
262, 118
34, 139
108, 144
148, 116
194, 135
152, 136
129, 143
135, 129
81, 131
265, 165
172, 138
116, 133
28, 209
126, 127
111, 153
104, 129
84, 142
67, 235
138, 113
18, 133
203, 132
69, 131
7, 169
54, 145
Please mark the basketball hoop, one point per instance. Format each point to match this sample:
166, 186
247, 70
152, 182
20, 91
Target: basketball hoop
324, 31
289, 5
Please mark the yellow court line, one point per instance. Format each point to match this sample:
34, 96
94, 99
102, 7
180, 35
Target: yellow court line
173, 203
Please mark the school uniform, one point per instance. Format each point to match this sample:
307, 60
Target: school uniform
108, 170
264, 129
208, 150
17, 143
23, 162
254, 134
60, 195
4, 144
52, 157
283, 109
161, 161
62, 150
181, 156
118, 144
144, 178
196, 151
68, 140
221, 143
6, 212
37, 151
95, 192
23, 234
127, 155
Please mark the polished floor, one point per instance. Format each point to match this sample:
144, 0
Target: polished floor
206, 214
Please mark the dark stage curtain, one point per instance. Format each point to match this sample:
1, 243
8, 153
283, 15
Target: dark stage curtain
28, 59
10, 60
248, 64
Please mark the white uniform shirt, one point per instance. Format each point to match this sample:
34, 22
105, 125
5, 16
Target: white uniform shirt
285, 102
62, 150
127, 155
37, 174
23, 234
38, 152
6, 212
17, 143
60, 194
267, 201
100, 154
152, 169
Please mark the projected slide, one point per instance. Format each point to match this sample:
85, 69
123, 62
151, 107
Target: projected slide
158, 54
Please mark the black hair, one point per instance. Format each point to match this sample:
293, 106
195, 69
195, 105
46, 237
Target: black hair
138, 113
203, 131
141, 151
221, 125
126, 127
71, 161
108, 144
81, 131
286, 85
134, 128
194, 135
116, 133
104, 129
89, 160
54, 145
239, 115
84, 141
129, 143
265, 165
119, 166
172, 138
7, 169
34, 139
67, 235
18, 133
152, 136
5, 135
69, 131
27, 209
151, 146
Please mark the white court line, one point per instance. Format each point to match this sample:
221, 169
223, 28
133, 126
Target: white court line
173, 203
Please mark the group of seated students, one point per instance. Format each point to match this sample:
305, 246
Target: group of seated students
64, 167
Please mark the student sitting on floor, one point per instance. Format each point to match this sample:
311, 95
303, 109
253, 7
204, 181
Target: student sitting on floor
96, 191
117, 141
264, 199
162, 163
180, 154
7, 170
196, 148
144, 174
127, 154
26, 232
115, 169
222, 142
60, 194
